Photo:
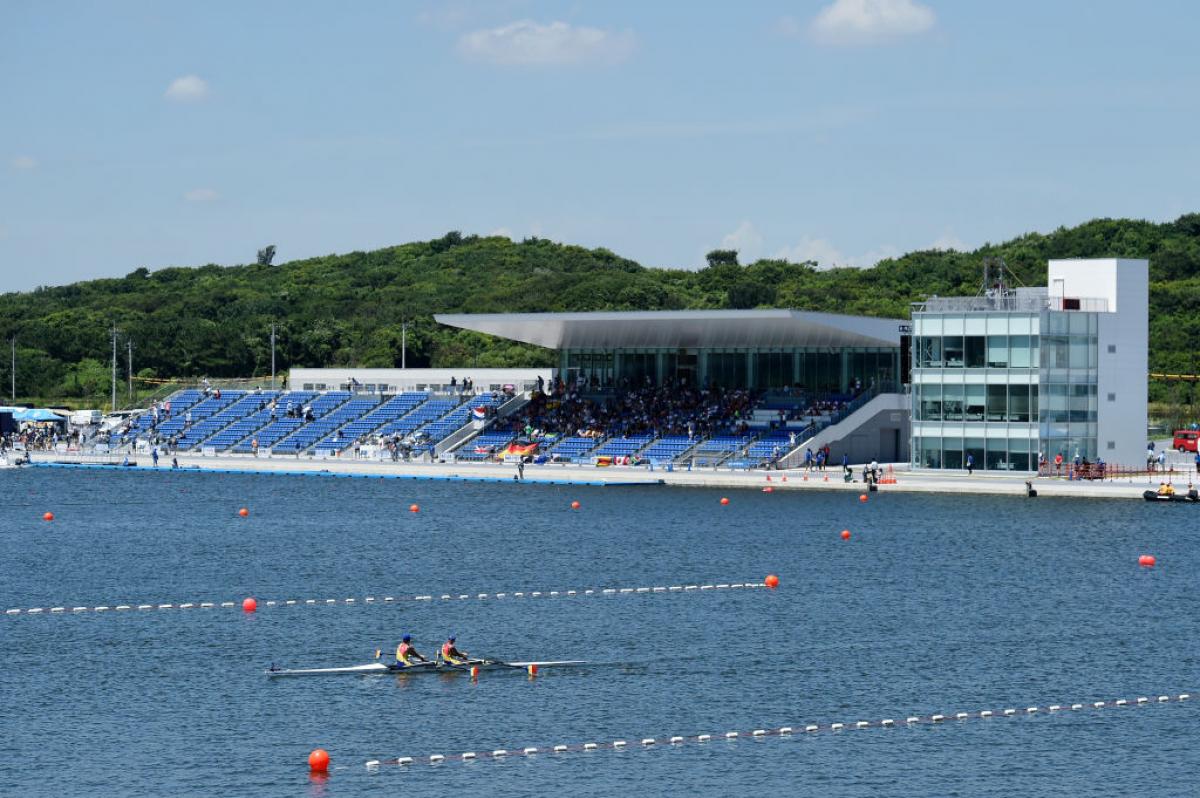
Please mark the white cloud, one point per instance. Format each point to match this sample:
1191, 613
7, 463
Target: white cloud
187, 89
528, 43
25, 162
948, 241
201, 195
827, 256
817, 250
866, 21
746, 240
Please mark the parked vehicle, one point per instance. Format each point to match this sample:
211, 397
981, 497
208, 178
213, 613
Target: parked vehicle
1185, 440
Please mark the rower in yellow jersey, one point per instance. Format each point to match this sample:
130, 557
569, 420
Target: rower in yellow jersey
450, 653
406, 653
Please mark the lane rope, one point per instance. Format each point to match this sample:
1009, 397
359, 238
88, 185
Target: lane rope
378, 600
783, 731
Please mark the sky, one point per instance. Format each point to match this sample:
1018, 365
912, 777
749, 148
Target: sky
167, 134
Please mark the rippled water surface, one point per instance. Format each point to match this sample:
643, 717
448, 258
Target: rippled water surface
935, 605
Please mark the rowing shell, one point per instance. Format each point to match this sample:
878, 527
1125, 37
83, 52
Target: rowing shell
421, 667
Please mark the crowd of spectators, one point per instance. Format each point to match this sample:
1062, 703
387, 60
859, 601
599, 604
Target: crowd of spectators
657, 410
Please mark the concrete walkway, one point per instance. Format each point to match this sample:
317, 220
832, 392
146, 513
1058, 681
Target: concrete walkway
906, 481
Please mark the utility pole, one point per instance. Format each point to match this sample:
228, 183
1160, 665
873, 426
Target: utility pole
130, 370
114, 367
403, 344
14, 369
272, 357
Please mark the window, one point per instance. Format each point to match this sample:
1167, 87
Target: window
1112, 349
974, 406
929, 353
1055, 352
997, 351
976, 357
1112, 445
1112, 397
952, 402
997, 402
1020, 353
930, 402
1018, 403
952, 347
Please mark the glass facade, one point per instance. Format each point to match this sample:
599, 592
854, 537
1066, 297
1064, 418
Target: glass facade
1003, 387
823, 370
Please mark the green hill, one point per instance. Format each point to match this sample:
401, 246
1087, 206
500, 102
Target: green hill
348, 309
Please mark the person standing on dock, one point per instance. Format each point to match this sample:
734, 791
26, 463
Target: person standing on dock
521, 469
970, 464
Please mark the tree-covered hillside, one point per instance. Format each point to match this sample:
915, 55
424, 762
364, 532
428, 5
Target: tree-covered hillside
348, 309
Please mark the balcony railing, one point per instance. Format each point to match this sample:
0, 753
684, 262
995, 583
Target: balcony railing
1011, 303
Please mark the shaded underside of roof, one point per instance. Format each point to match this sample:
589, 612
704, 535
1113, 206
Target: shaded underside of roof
683, 329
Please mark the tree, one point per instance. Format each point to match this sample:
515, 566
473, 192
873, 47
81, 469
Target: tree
722, 257
266, 255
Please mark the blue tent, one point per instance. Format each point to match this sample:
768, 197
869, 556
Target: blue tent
37, 414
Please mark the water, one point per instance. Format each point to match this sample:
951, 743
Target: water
935, 605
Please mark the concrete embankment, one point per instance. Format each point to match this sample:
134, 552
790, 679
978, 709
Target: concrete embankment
906, 481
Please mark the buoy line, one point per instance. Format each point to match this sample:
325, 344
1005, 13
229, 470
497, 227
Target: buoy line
783, 731
251, 605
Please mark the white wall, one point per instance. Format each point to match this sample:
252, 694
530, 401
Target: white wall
399, 380
1123, 372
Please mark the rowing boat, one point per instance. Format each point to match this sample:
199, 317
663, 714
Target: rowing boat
380, 668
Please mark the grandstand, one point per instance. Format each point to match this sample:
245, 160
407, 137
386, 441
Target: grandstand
702, 388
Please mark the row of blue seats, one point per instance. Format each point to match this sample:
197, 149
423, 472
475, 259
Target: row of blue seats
430, 411
669, 447
317, 429
619, 447
197, 434
202, 410
273, 431
181, 402
392, 409
456, 418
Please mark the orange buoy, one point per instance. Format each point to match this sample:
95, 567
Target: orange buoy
249, 604
768, 477
862, 497
243, 512
724, 500
318, 760
575, 505
785, 477
845, 534
1147, 561
768, 489
474, 671
413, 508
533, 670
48, 516
772, 581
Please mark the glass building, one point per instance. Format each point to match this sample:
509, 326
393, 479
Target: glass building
1011, 375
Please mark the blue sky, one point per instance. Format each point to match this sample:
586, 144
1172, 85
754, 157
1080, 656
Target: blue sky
154, 134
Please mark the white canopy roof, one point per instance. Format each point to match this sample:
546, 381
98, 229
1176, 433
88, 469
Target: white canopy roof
683, 329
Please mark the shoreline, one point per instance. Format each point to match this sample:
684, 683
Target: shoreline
618, 476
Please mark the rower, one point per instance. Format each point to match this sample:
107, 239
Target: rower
406, 653
451, 654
